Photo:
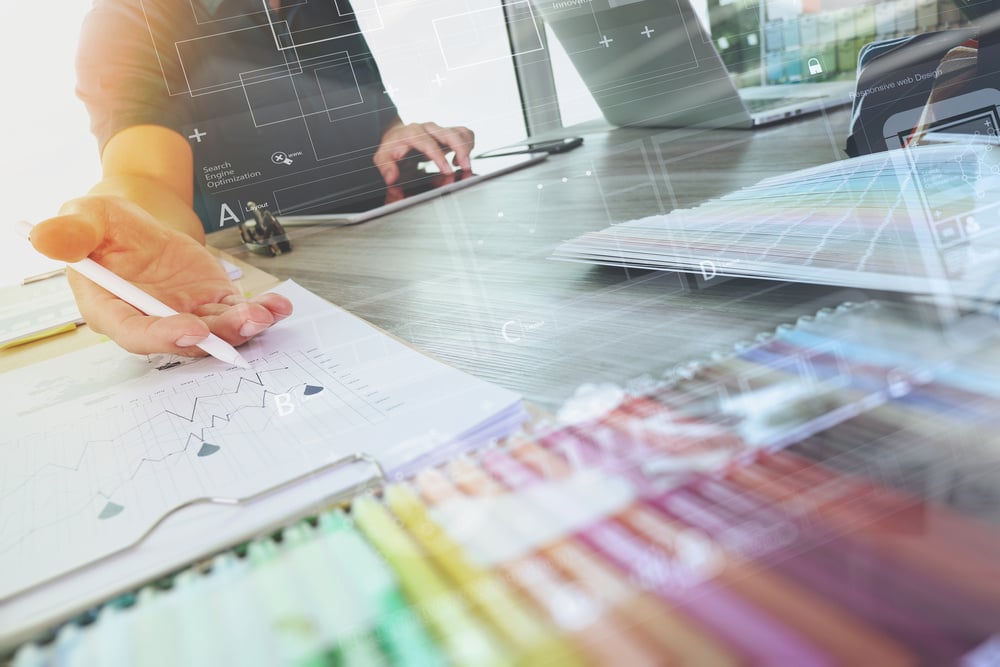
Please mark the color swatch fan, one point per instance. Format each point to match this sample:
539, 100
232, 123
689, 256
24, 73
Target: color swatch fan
920, 220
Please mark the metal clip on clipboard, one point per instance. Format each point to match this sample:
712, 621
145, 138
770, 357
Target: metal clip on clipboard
376, 479
264, 235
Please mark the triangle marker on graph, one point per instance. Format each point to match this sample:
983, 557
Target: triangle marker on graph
110, 510
207, 450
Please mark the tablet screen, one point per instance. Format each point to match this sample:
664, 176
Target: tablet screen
420, 181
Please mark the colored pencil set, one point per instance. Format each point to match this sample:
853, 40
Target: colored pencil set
854, 526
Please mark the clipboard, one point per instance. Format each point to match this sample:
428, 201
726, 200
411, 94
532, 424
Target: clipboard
304, 477
107, 581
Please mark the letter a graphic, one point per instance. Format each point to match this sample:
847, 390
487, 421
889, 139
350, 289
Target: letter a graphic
227, 214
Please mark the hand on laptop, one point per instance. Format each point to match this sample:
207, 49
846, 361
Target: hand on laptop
164, 263
431, 140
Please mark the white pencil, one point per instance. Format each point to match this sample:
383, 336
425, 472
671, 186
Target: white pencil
134, 296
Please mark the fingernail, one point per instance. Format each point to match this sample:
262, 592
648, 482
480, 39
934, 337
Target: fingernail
188, 341
252, 329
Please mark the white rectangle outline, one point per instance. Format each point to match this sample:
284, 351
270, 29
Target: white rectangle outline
286, 72
274, 193
675, 70
444, 55
355, 12
229, 85
361, 96
236, 16
310, 65
278, 46
651, 175
253, 117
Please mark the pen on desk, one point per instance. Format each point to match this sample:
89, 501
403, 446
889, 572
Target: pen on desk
148, 304
39, 335
43, 276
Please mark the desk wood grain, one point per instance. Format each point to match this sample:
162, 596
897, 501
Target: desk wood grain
466, 277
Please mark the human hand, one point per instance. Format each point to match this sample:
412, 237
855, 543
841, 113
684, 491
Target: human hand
163, 262
428, 138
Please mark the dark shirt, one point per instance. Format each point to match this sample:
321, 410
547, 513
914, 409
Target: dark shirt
284, 109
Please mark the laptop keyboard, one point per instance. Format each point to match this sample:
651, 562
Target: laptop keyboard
756, 105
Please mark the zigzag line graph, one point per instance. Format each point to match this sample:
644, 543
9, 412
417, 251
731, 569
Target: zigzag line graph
207, 412
112, 509
125, 434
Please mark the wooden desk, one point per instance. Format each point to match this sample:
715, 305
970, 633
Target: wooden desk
466, 277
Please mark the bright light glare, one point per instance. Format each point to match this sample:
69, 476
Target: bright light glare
50, 154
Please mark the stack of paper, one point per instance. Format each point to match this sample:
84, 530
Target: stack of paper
115, 469
919, 220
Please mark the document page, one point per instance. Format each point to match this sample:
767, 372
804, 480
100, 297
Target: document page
100, 445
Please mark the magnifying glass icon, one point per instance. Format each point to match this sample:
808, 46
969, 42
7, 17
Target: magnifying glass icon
280, 158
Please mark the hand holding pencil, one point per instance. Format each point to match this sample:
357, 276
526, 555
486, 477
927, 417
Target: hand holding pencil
166, 265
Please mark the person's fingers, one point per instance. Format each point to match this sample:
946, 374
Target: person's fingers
393, 194
275, 306
428, 145
441, 180
68, 238
399, 143
459, 139
129, 328
234, 319
463, 152
238, 323
237, 319
386, 165
279, 306
446, 137
235, 323
395, 147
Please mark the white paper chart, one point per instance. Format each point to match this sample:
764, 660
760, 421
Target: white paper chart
105, 443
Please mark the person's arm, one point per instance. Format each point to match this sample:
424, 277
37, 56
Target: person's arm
139, 222
152, 166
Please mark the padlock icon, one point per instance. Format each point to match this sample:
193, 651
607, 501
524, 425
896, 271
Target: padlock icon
815, 67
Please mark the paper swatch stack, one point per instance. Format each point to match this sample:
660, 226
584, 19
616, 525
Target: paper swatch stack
853, 522
826, 496
920, 220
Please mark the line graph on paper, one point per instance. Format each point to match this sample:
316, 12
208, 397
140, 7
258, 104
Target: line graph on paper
101, 478
100, 445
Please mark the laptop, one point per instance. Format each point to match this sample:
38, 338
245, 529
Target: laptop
652, 63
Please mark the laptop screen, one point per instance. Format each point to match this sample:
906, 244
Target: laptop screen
681, 62
774, 42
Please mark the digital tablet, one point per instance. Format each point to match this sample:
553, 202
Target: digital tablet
423, 182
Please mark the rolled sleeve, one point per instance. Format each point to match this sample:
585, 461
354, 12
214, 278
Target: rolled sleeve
120, 79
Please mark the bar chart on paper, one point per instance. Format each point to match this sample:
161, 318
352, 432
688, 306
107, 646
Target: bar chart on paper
92, 465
